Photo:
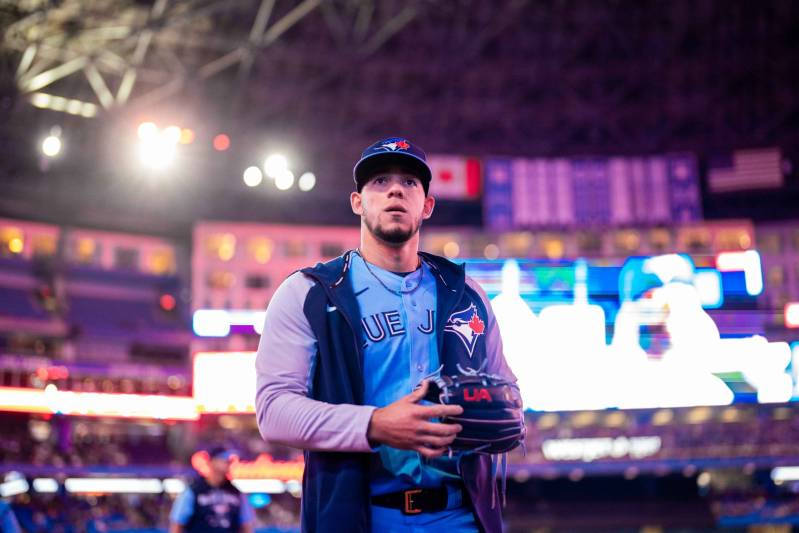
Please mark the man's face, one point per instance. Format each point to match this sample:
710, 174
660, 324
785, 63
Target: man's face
220, 467
392, 205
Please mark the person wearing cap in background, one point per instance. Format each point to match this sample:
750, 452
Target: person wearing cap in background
212, 503
345, 344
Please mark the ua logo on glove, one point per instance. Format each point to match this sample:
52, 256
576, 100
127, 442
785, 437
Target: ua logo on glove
476, 395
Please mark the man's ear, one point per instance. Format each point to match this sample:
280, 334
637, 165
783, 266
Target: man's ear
356, 203
429, 205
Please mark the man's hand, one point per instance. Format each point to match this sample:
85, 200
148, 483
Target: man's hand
406, 425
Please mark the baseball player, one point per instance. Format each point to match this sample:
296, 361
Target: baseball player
211, 504
345, 344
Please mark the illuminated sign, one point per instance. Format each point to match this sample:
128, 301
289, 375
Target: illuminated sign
89, 485
224, 382
263, 467
600, 448
681, 359
683, 363
264, 475
785, 473
749, 263
792, 315
53, 401
218, 322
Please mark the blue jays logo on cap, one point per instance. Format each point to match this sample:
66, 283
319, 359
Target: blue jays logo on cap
467, 325
397, 151
401, 144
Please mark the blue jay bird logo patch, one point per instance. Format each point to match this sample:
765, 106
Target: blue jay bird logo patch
467, 325
396, 145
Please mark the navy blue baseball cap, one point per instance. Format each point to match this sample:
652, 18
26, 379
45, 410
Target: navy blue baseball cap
394, 151
220, 452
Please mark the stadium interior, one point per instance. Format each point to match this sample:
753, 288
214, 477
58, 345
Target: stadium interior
628, 170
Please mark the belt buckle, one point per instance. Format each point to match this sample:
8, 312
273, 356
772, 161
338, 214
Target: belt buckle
409, 503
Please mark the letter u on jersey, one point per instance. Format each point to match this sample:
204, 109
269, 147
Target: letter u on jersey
389, 324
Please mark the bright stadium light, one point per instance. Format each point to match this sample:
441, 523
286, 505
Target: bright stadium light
253, 176
284, 180
172, 134
45, 484
51, 146
307, 181
13, 483
157, 149
114, 485
791, 312
221, 142
27, 400
41, 100
211, 323
147, 131
156, 154
491, 251
275, 165
224, 382
66, 105
263, 486
785, 473
186, 136
174, 485
74, 107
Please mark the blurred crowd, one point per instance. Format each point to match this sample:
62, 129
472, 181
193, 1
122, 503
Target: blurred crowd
84, 442
63, 513
757, 508
39, 443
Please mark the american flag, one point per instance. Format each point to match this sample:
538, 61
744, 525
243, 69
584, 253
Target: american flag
747, 169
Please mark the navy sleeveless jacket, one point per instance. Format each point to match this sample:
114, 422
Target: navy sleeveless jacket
336, 493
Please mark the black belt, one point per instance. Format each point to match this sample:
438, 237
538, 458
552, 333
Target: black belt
414, 501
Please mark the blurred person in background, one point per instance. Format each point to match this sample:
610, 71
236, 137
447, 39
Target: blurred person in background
345, 345
211, 504
8, 522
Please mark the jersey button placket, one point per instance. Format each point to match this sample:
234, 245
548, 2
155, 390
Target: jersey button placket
411, 319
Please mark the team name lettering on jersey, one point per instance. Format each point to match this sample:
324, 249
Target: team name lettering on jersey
218, 497
389, 324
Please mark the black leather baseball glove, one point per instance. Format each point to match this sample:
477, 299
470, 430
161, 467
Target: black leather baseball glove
492, 418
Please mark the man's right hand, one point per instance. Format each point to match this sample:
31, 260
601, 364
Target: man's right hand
406, 425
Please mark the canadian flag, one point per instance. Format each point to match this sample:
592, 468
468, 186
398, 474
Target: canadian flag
455, 177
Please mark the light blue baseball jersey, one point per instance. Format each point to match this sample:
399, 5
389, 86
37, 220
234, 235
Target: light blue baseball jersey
398, 322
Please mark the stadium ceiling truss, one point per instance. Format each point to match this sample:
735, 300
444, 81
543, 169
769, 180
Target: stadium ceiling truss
479, 77
170, 43
507, 76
